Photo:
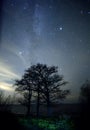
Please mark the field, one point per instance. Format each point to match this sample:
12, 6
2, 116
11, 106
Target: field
63, 123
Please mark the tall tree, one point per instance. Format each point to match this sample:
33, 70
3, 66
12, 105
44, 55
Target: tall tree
51, 82
29, 84
45, 82
36, 76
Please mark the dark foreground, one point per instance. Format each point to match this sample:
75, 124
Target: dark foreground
9, 121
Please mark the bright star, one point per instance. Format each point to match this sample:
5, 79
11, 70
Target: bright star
61, 28
20, 53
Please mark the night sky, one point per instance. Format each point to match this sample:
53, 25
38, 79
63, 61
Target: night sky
53, 32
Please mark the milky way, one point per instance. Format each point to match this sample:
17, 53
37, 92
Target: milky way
54, 32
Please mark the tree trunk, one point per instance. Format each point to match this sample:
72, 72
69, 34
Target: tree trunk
29, 103
48, 109
48, 105
28, 110
38, 104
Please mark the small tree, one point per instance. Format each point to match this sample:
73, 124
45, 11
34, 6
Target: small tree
85, 104
85, 96
85, 92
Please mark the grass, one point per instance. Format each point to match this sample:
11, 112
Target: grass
48, 124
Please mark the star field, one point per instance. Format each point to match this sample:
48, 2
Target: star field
54, 32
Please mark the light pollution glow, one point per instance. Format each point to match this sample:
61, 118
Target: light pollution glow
6, 86
7, 73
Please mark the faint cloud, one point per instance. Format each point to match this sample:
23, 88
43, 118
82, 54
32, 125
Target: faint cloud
16, 51
6, 71
6, 86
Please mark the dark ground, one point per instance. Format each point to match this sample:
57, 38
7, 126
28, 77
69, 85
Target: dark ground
8, 121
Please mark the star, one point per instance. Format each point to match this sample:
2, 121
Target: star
24, 7
61, 28
37, 5
20, 52
50, 7
80, 40
81, 11
12, 4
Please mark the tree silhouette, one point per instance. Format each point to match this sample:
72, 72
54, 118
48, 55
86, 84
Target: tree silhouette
85, 103
85, 92
51, 82
85, 95
36, 73
24, 87
43, 81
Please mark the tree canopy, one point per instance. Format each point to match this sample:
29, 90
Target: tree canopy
85, 92
42, 82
